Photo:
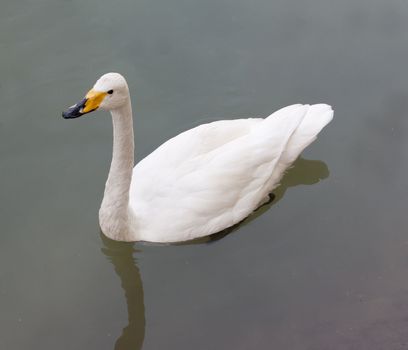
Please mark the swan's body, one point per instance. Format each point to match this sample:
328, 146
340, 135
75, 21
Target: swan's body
203, 180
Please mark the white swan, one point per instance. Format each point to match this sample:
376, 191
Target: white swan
201, 181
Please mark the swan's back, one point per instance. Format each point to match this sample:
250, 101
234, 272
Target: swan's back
213, 176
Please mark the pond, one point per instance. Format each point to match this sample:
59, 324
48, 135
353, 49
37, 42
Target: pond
324, 266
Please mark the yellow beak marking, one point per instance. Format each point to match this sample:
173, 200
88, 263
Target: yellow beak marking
93, 100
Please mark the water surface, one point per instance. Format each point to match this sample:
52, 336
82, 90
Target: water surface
324, 266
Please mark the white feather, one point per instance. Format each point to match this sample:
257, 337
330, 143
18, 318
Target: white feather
195, 184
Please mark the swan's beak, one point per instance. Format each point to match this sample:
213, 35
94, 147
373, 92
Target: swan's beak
90, 103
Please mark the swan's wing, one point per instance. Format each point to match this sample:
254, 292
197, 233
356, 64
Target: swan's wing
196, 142
212, 190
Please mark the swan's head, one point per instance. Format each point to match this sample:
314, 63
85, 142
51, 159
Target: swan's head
109, 92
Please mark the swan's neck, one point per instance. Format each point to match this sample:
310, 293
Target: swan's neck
114, 213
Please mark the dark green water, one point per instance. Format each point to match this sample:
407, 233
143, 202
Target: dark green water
324, 267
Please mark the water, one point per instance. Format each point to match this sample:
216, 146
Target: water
323, 267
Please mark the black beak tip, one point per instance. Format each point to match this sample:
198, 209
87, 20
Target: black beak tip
70, 114
74, 111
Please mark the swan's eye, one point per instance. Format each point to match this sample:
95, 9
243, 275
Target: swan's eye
110, 92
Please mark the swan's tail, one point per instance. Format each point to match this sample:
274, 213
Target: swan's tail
313, 119
302, 122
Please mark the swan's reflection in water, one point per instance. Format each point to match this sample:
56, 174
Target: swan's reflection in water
303, 172
120, 254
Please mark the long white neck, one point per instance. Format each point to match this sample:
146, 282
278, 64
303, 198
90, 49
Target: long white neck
114, 212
